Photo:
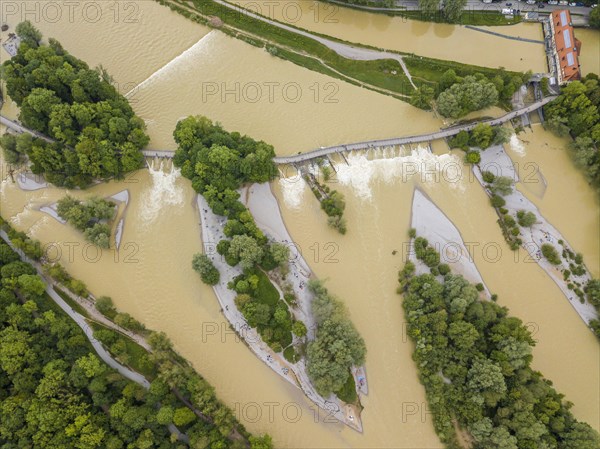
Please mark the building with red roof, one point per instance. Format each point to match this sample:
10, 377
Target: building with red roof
566, 47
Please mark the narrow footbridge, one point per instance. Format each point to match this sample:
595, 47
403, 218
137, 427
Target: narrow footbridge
421, 138
326, 151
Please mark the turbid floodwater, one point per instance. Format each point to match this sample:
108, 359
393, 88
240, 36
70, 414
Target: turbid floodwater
151, 276
435, 40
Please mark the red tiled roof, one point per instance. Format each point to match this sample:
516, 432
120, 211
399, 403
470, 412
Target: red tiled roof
567, 46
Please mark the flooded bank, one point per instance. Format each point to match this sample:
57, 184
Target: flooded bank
589, 58
378, 212
151, 276
435, 40
559, 189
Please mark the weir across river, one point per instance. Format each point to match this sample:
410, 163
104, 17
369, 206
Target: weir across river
326, 151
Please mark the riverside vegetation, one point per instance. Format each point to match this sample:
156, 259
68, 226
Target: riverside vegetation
332, 202
436, 11
95, 131
569, 263
88, 217
576, 112
474, 360
218, 163
57, 393
386, 74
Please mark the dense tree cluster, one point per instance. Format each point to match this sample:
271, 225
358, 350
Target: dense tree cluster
17, 147
461, 95
97, 134
260, 303
218, 163
57, 272
595, 18
337, 346
551, 254
498, 187
474, 361
32, 248
56, 393
422, 97
332, 203
88, 217
576, 111
211, 156
592, 294
467, 95
380, 3
482, 136
209, 274
451, 10
214, 424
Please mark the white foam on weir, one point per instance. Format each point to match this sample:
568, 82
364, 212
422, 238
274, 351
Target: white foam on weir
42, 222
293, 191
516, 145
360, 172
179, 62
163, 192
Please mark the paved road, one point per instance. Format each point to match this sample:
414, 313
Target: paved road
477, 5
89, 333
345, 50
21, 129
81, 322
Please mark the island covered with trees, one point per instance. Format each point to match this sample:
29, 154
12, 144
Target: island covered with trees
474, 360
219, 163
89, 217
94, 132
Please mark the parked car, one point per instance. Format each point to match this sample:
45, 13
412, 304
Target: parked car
579, 4
563, 3
553, 2
593, 6
541, 6
572, 4
531, 2
509, 4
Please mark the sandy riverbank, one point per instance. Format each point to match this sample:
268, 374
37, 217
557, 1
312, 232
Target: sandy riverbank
263, 205
496, 160
123, 198
432, 224
30, 181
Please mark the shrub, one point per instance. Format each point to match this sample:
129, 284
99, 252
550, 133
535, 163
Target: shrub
202, 264
551, 254
473, 157
290, 354
444, 269
509, 221
497, 201
488, 176
105, 306
526, 219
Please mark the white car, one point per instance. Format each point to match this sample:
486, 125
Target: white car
593, 6
553, 2
531, 2
572, 4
